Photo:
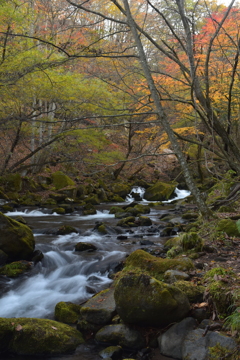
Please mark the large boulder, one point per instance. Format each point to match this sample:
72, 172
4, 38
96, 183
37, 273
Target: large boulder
38, 337
143, 300
60, 180
16, 239
159, 191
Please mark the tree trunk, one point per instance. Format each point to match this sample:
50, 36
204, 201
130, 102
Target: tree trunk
205, 211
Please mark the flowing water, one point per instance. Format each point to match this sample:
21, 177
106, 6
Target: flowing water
63, 274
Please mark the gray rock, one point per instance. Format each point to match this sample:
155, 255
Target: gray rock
170, 343
100, 309
196, 346
170, 276
122, 335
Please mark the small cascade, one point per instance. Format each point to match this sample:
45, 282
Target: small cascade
136, 194
180, 194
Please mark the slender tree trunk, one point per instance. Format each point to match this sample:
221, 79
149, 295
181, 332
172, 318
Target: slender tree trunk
161, 115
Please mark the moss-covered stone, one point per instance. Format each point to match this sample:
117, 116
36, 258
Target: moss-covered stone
155, 303
93, 199
144, 221
67, 312
192, 291
127, 222
89, 209
159, 191
60, 180
59, 211
100, 309
121, 190
16, 239
66, 229
37, 337
15, 268
115, 209
228, 226
11, 182
141, 261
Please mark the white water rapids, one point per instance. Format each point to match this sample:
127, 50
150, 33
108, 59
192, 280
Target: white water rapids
63, 274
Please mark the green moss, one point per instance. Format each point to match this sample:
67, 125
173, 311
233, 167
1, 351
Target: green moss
17, 239
11, 182
102, 229
59, 210
15, 268
67, 312
159, 191
121, 190
140, 261
60, 180
127, 222
228, 226
220, 352
192, 291
115, 209
66, 229
37, 337
144, 221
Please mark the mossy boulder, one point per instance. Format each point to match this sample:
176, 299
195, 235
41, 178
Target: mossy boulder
93, 199
16, 239
128, 221
11, 182
100, 309
60, 180
121, 190
15, 269
159, 191
67, 312
193, 292
145, 301
228, 226
37, 337
142, 261
115, 210
89, 209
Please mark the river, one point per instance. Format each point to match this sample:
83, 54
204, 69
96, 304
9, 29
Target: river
66, 275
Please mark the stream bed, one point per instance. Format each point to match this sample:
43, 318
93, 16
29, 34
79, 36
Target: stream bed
66, 275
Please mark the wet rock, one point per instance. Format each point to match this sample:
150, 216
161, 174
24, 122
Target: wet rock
82, 246
66, 229
112, 352
67, 312
146, 242
16, 268
37, 256
100, 309
127, 222
155, 303
159, 191
37, 337
16, 239
171, 342
122, 335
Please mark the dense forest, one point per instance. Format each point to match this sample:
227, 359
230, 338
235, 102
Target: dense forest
118, 86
